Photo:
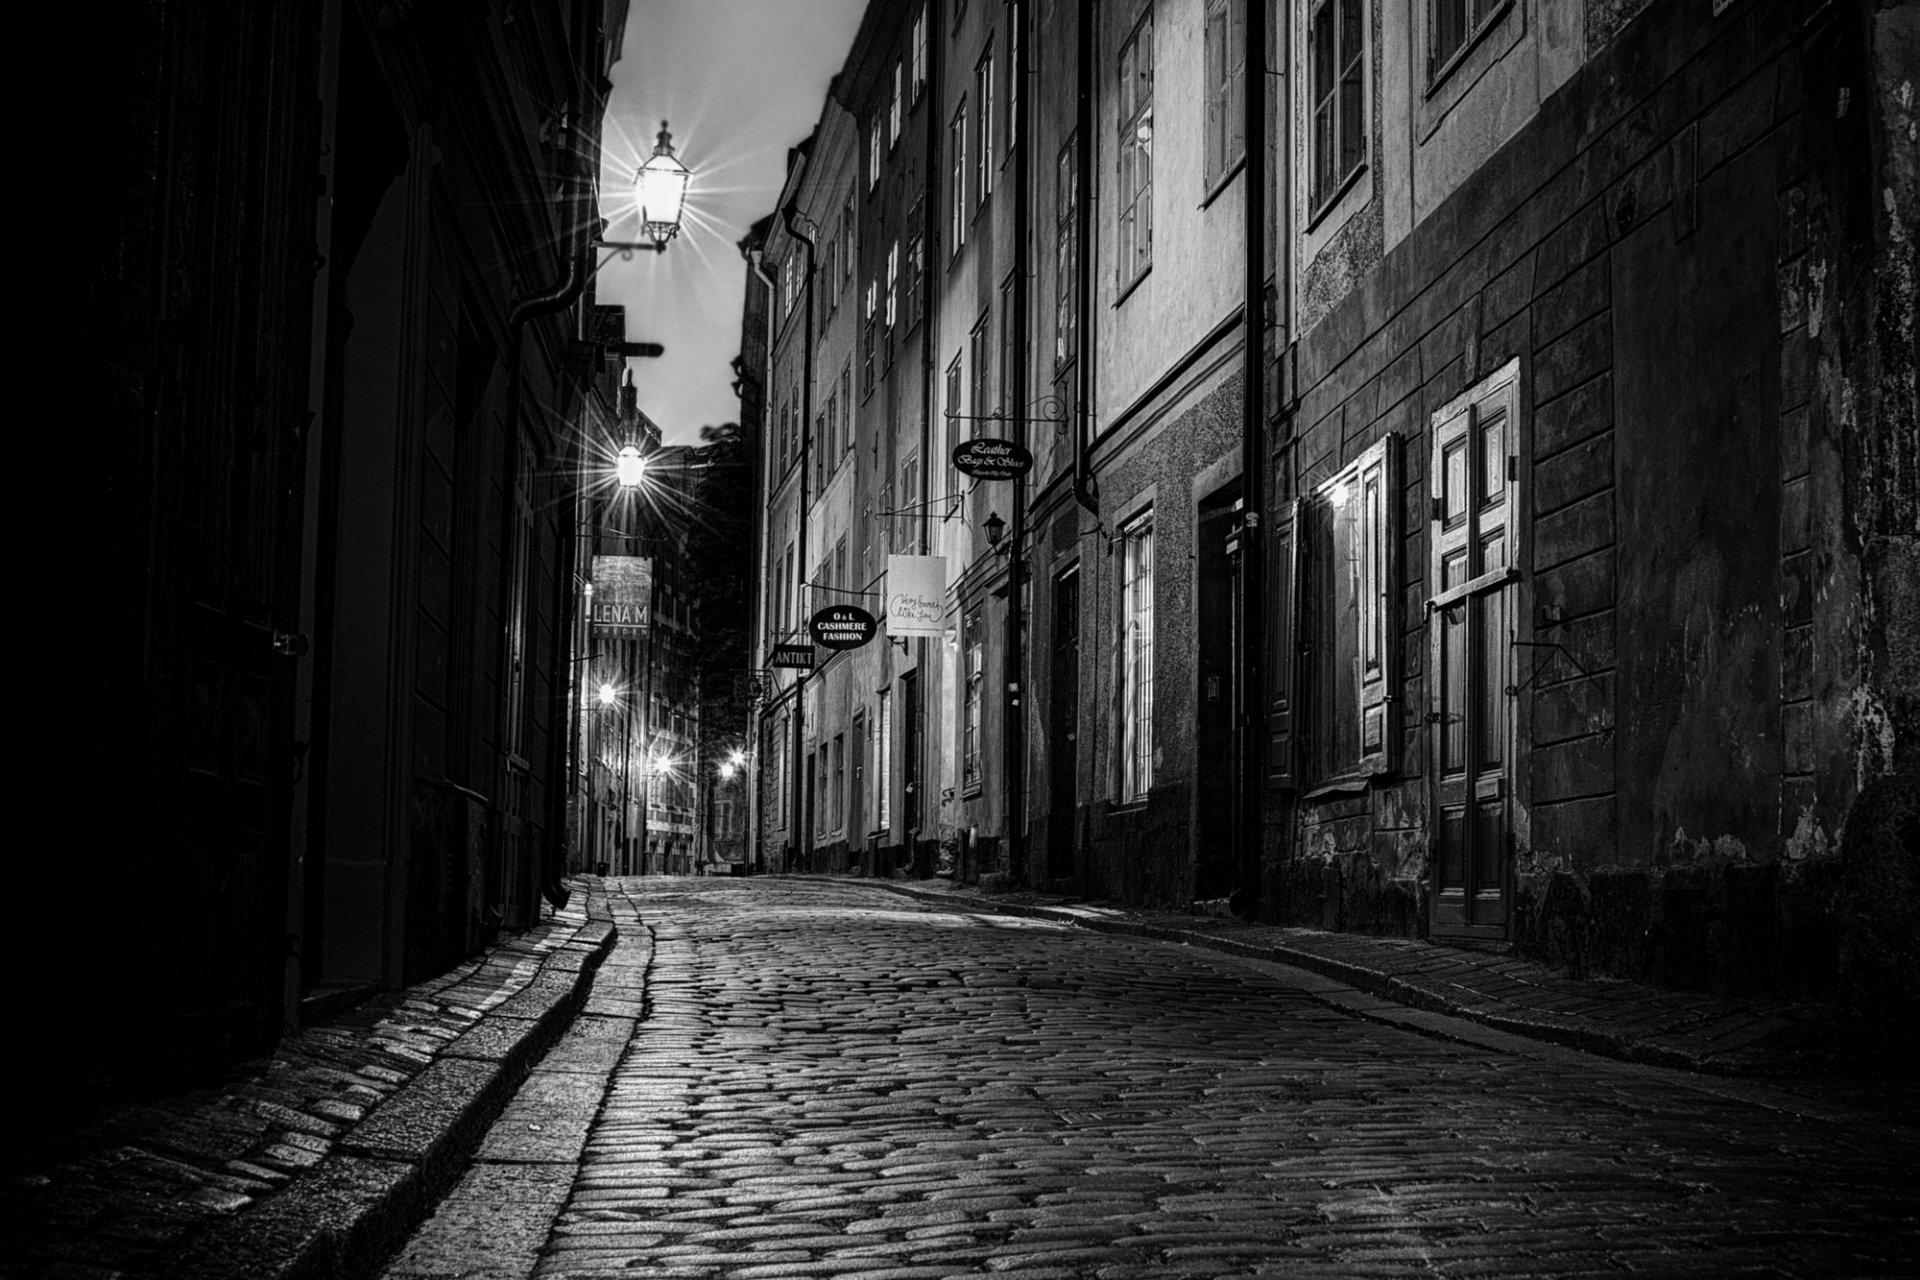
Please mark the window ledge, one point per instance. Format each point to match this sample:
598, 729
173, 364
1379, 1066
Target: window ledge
1126, 290
1225, 180
1332, 202
1339, 788
1437, 77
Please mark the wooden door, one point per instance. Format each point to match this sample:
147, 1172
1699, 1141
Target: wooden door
1470, 716
1063, 726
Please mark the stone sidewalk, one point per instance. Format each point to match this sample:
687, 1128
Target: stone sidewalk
1612, 1017
318, 1160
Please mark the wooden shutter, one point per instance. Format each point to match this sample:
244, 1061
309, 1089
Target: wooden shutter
1377, 666
1283, 744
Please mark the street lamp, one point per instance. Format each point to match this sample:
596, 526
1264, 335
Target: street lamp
629, 468
661, 187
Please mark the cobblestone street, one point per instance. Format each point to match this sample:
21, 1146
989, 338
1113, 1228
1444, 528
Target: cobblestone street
833, 1081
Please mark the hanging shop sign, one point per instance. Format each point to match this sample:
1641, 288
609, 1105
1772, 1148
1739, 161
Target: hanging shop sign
799, 657
916, 596
988, 459
622, 594
842, 626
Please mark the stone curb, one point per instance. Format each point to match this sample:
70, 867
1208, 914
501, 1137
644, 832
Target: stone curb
1586, 1037
344, 1217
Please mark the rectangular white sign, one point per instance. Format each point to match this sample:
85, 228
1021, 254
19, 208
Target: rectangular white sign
916, 595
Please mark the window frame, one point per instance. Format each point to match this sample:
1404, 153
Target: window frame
1133, 200
1066, 253
973, 703
957, 197
1331, 174
1485, 15
985, 157
1370, 691
978, 340
1224, 86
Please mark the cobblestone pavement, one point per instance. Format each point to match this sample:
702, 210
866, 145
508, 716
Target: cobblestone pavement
832, 1081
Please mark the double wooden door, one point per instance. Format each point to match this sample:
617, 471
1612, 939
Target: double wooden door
1470, 628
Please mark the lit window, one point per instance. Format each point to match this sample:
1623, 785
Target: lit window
1136, 660
919, 53
976, 676
873, 155
1347, 531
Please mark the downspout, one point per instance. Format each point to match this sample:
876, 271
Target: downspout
1015, 735
790, 214
935, 254
756, 258
1083, 489
1253, 460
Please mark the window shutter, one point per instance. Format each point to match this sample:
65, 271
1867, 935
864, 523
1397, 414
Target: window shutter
1283, 746
1377, 490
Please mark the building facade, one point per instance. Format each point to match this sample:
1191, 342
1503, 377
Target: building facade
1474, 481
346, 351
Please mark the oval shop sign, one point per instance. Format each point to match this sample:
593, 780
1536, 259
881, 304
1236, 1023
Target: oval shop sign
988, 459
842, 626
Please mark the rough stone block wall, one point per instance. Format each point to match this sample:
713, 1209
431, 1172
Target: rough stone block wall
1659, 249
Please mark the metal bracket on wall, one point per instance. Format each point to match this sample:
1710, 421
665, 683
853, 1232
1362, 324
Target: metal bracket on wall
1514, 690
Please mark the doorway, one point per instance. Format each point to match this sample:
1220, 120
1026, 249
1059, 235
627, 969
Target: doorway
1219, 631
1470, 717
1063, 726
910, 729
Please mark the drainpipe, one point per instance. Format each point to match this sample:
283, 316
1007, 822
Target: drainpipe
1088, 23
1253, 460
1015, 736
791, 216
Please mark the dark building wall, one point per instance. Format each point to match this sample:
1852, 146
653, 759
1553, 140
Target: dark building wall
1676, 250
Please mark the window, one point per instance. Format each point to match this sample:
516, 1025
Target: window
883, 763
957, 195
1335, 96
1009, 400
888, 517
839, 781
866, 341
1452, 25
972, 641
893, 283
916, 271
846, 239
822, 456
840, 564
873, 154
1066, 233
1135, 196
983, 94
1348, 533
1136, 660
910, 499
893, 111
982, 356
846, 405
832, 273
1013, 83
787, 593
919, 52
956, 412
1226, 87
830, 432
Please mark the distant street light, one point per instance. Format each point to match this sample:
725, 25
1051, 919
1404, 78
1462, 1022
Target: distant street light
630, 467
606, 695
